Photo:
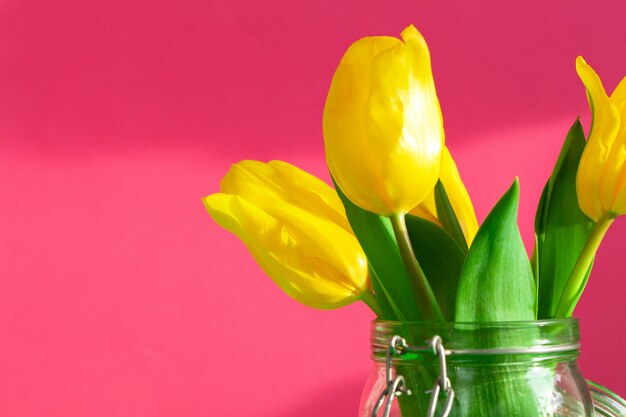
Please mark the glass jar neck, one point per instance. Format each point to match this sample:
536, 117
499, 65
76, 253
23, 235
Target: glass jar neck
533, 340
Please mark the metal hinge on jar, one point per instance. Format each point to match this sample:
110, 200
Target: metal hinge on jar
396, 386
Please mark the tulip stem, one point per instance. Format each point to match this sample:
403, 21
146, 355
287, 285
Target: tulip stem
370, 299
426, 301
579, 275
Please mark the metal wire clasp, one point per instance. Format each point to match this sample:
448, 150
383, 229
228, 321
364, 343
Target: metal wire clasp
397, 386
442, 383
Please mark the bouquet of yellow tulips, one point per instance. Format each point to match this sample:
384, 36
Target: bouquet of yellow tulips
398, 230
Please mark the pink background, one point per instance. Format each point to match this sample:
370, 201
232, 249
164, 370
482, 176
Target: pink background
118, 294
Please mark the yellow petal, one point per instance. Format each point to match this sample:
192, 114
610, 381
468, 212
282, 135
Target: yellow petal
619, 202
319, 264
458, 196
593, 194
619, 95
614, 174
345, 141
383, 131
618, 99
613, 167
427, 209
278, 182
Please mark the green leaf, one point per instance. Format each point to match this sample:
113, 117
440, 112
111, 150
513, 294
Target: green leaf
496, 282
534, 264
534, 259
441, 259
447, 217
387, 308
561, 228
538, 220
376, 236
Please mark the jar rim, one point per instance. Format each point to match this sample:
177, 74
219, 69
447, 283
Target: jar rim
484, 324
554, 336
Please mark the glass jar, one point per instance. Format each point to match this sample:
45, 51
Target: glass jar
521, 369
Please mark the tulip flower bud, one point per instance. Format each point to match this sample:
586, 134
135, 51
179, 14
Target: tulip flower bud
601, 178
383, 130
295, 227
459, 199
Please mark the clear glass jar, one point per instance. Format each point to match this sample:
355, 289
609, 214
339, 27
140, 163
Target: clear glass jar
521, 369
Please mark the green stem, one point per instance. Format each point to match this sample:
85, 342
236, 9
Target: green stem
370, 299
426, 301
576, 280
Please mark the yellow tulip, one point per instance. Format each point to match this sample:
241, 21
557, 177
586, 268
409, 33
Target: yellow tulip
601, 178
383, 129
296, 229
459, 199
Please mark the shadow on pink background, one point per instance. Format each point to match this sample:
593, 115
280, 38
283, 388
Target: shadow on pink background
118, 294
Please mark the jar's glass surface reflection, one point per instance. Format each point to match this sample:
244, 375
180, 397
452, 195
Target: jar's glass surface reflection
522, 369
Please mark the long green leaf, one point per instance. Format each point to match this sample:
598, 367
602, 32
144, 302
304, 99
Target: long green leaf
447, 216
441, 259
534, 259
538, 221
376, 236
561, 228
388, 309
496, 282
